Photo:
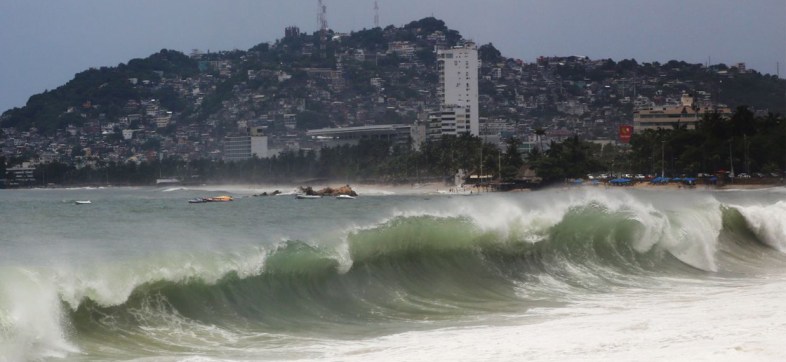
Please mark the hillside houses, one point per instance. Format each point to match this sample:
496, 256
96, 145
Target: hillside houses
370, 77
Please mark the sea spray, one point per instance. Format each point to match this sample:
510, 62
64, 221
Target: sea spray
32, 323
768, 222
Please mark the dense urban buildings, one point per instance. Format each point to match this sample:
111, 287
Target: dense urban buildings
413, 83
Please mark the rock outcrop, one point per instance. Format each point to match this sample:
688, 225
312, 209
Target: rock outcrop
329, 191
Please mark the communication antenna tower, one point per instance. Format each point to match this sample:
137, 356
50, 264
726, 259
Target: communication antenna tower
323, 27
322, 17
376, 15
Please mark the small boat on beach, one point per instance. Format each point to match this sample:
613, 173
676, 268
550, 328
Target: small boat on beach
82, 202
202, 200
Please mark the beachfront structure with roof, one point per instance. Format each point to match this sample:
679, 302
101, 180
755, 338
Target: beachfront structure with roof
687, 114
399, 134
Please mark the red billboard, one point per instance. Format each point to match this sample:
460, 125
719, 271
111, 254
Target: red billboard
625, 132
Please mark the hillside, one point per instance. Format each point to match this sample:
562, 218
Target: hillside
182, 105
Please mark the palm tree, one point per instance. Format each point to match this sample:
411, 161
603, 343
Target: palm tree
540, 132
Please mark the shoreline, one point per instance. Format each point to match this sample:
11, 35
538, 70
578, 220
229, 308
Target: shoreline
426, 188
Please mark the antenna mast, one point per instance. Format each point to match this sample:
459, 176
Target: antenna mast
376, 15
323, 26
322, 16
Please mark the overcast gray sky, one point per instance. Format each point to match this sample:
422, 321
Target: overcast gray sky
43, 43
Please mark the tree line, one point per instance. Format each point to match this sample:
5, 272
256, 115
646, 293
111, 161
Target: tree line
741, 143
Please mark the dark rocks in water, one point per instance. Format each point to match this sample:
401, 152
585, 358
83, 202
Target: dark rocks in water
329, 191
307, 190
274, 193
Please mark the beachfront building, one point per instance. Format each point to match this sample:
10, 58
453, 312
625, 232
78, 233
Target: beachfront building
398, 134
22, 175
687, 114
458, 85
449, 120
238, 148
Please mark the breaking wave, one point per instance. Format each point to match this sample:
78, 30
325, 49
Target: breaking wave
414, 268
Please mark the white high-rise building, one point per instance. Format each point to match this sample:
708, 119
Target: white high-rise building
458, 84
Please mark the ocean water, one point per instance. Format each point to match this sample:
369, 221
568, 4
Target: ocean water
564, 274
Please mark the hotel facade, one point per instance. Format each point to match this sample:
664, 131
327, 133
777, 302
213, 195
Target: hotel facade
458, 86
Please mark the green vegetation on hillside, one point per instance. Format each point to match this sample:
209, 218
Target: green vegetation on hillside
108, 124
96, 91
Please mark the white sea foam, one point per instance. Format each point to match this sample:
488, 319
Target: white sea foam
698, 323
768, 222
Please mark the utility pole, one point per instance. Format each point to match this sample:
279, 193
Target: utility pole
480, 177
662, 158
731, 159
745, 149
499, 165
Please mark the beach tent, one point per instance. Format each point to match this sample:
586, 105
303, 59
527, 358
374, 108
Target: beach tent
620, 181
